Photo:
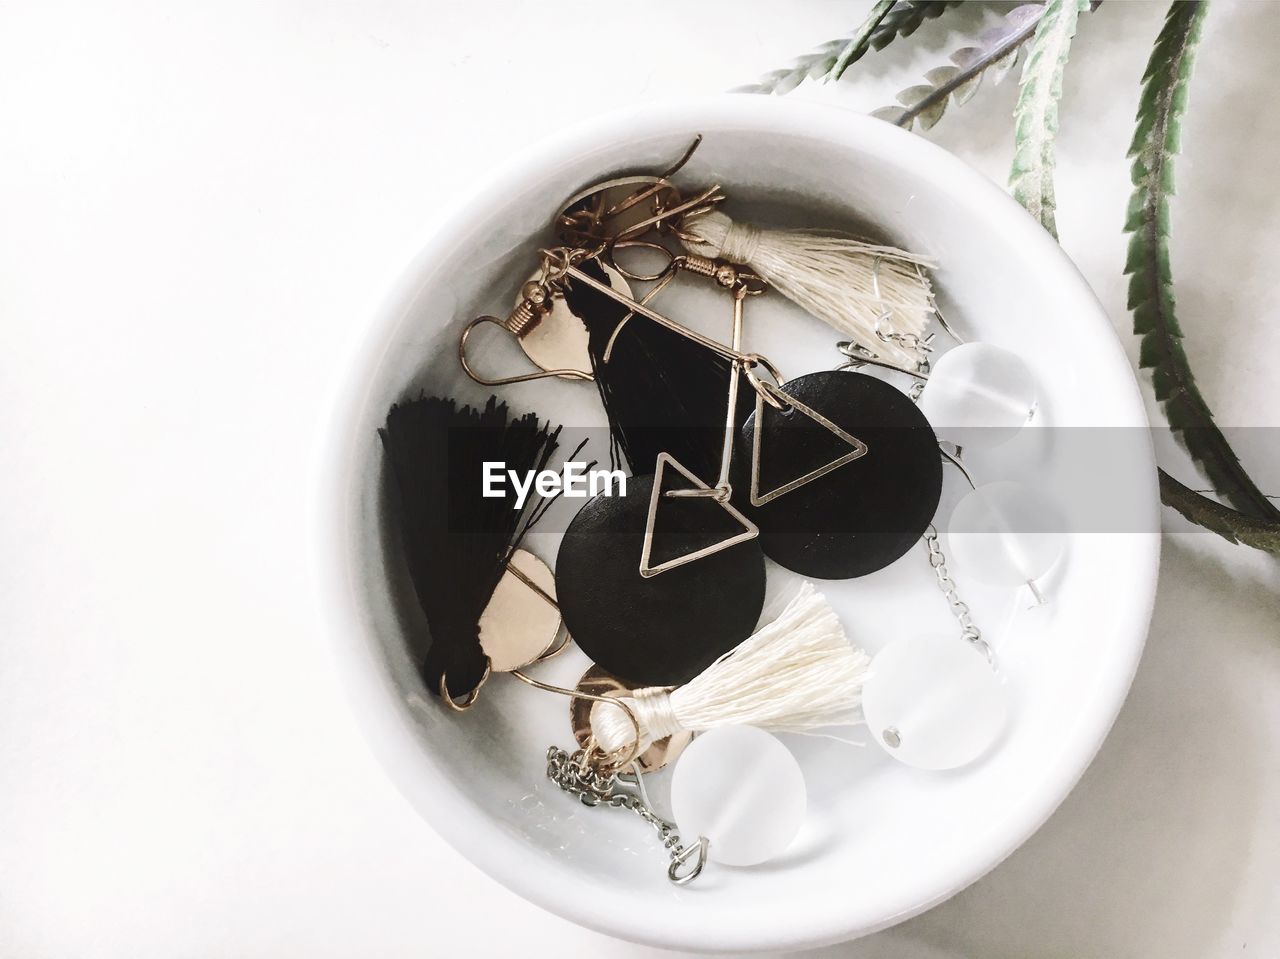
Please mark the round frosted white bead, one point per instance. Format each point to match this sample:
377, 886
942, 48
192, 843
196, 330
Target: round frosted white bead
979, 395
742, 790
933, 702
1005, 534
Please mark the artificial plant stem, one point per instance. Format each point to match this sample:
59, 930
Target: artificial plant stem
1223, 520
944, 90
1151, 294
901, 21
859, 42
1035, 118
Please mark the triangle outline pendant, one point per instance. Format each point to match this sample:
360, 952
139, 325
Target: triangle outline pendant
749, 529
858, 451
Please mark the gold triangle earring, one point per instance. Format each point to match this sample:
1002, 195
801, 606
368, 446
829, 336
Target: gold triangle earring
719, 496
698, 586
722, 493
769, 396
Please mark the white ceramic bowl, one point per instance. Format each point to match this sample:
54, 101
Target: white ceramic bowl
881, 842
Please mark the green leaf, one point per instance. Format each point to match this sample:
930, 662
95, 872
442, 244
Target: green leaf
834, 57
814, 64
1035, 118
994, 54
1151, 296
861, 40
881, 28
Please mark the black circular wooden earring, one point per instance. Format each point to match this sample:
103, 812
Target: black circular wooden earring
841, 472
653, 587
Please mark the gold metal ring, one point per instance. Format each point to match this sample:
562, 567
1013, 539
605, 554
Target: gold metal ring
769, 392
645, 245
461, 706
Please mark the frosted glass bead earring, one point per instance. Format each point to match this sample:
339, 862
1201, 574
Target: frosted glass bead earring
739, 789
934, 702
1006, 534
982, 392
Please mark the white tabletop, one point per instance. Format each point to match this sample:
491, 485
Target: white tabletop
199, 205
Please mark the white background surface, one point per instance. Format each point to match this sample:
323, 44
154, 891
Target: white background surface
199, 206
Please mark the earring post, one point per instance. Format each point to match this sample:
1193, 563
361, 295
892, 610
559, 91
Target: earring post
722, 489
731, 413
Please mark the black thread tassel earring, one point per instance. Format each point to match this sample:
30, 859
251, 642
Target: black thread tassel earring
662, 392
657, 585
457, 541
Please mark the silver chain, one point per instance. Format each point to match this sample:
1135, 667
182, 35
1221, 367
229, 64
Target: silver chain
959, 608
572, 773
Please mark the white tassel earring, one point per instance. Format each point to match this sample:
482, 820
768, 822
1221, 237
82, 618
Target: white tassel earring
797, 674
879, 296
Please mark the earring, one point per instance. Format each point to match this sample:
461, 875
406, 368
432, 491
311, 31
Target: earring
936, 703
1005, 532
878, 295
461, 547
741, 792
980, 394
824, 507
662, 391
548, 332
976, 392
843, 472
657, 584
797, 673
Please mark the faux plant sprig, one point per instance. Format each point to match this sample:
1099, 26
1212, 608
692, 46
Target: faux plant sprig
901, 19
1223, 520
860, 42
994, 55
1151, 297
1035, 118
1251, 518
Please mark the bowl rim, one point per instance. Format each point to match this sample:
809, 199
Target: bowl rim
336, 577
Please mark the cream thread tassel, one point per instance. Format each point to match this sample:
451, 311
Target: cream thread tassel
831, 276
797, 674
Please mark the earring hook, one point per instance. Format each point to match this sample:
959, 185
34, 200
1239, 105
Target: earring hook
860, 356
679, 861
462, 705
629, 752
504, 380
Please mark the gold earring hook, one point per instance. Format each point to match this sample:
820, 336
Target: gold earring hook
583, 215
504, 380
663, 279
462, 705
562, 642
